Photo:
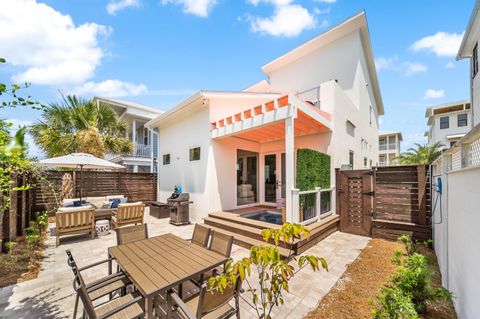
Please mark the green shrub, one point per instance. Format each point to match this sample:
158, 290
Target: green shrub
32, 229
9, 245
33, 240
42, 220
392, 303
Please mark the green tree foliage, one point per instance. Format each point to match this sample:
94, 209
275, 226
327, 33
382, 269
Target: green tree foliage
79, 125
274, 273
421, 154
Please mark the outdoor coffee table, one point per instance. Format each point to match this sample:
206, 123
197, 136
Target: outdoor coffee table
163, 262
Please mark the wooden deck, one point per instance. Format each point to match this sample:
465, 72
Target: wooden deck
247, 232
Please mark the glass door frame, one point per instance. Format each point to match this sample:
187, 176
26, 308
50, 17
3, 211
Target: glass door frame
278, 174
258, 200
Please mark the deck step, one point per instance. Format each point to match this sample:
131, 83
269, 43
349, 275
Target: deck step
247, 242
233, 226
242, 220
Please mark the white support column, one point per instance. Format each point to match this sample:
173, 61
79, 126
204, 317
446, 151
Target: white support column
290, 169
134, 131
318, 204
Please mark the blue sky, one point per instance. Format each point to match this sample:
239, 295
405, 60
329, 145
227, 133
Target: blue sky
158, 52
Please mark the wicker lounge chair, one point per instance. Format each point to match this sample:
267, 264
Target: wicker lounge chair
201, 235
208, 304
100, 287
75, 220
131, 234
128, 214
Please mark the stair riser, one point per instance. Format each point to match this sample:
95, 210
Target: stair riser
240, 221
232, 229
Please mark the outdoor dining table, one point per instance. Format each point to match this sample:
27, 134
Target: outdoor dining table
159, 263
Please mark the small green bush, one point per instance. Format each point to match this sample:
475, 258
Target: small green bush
33, 240
9, 245
394, 304
42, 220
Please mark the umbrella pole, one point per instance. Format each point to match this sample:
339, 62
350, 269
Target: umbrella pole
81, 183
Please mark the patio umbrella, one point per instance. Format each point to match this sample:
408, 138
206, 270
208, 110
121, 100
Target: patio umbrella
79, 160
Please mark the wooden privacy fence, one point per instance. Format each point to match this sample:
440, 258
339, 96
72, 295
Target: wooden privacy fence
135, 186
19, 211
385, 202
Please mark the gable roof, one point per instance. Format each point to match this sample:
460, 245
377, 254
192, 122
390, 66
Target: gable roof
471, 33
356, 22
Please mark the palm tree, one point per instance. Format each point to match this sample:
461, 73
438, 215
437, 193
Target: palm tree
422, 154
79, 125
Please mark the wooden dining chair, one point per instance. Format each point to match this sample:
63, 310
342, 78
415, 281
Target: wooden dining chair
221, 243
201, 235
208, 304
98, 288
131, 234
128, 306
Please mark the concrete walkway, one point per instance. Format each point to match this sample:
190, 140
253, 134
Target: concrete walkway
51, 294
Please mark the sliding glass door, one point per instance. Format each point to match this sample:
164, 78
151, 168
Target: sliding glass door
247, 182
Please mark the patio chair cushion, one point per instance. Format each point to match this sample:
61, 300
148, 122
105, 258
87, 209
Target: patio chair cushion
96, 201
113, 196
75, 209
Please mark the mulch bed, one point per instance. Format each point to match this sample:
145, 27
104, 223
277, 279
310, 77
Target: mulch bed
353, 294
24, 263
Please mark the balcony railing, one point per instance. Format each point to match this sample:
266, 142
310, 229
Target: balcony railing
313, 205
139, 150
384, 147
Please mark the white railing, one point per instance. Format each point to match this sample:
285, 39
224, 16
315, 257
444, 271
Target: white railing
313, 205
382, 163
384, 147
465, 153
311, 95
141, 150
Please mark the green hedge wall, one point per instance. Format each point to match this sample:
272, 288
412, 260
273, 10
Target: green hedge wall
313, 169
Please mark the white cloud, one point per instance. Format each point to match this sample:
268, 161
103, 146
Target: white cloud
111, 88
326, 1
201, 8
114, 6
49, 48
441, 43
450, 65
393, 63
433, 94
288, 20
411, 139
413, 67
383, 63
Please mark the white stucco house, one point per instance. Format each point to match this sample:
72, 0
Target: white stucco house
388, 147
448, 122
237, 149
143, 157
469, 50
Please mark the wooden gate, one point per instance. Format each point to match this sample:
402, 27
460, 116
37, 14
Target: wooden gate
354, 201
385, 202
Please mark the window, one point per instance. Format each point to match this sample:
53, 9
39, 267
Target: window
370, 163
462, 119
166, 159
350, 128
145, 136
444, 122
195, 154
350, 159
365, 161
475, 61
371, 109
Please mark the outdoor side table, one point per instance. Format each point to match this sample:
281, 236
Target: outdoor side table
102, 227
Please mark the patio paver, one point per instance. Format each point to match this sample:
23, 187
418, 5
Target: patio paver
51, 294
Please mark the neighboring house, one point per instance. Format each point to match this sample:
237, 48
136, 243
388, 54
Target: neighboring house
449, 122
469, 49
144, 156
237, 149
388, 147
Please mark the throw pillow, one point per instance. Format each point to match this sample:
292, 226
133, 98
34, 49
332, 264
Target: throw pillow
115, 202
107, 205
79, 203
